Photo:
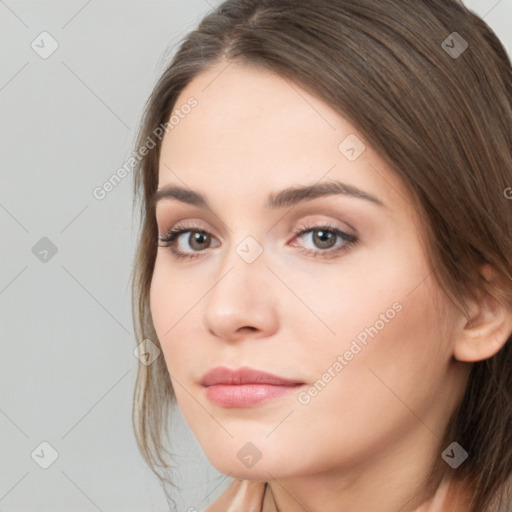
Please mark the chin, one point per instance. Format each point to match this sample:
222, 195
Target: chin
260, 471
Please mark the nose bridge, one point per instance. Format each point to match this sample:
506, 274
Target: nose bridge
241, 271
245, 247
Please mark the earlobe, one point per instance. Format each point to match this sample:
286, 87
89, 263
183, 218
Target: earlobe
487, 330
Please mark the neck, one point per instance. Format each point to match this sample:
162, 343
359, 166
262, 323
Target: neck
450, 496
393, 482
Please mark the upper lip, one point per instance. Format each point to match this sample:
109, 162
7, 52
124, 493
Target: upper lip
244, 375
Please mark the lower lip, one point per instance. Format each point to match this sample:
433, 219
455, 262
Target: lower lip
245, 395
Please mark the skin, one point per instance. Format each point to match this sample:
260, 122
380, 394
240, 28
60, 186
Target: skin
366, 441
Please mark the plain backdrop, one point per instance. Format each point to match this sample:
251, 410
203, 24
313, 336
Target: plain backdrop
68, 122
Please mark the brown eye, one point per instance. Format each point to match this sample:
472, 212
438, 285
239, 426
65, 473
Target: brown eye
186, 247
199, 240
324, 239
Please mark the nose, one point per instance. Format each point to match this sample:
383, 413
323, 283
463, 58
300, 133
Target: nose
242, 302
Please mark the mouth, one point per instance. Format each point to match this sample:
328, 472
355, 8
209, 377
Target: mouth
245, 387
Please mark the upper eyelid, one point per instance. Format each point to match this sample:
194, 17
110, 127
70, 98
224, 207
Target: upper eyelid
299, 229
310, 209
189, 225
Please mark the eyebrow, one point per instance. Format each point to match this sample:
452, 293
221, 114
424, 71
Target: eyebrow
284, 198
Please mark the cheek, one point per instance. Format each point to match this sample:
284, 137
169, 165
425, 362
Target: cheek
386, 382
158, 299
359, 298
165, 307
176, 305
394, 354
384, 319
169, 296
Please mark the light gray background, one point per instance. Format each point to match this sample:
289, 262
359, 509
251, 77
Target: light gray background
67, 367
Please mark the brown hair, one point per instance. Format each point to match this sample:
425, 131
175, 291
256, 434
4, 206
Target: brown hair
441, 119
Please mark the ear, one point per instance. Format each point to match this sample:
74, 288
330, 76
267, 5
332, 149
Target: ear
488, 328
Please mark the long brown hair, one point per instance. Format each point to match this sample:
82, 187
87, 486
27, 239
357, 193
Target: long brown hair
429, 85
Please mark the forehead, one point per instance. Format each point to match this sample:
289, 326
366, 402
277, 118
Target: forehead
253, 107
252, 129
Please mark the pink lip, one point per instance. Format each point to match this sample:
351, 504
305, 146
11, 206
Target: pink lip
244, 387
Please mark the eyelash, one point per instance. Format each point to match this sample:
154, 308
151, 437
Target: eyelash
170, 238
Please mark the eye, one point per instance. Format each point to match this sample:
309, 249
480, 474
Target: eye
324, 237
198, 239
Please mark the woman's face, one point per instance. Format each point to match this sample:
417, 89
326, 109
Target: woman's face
347, 312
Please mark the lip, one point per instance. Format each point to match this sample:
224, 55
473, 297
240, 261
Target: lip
244, 387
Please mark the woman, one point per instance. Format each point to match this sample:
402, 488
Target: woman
325, 258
